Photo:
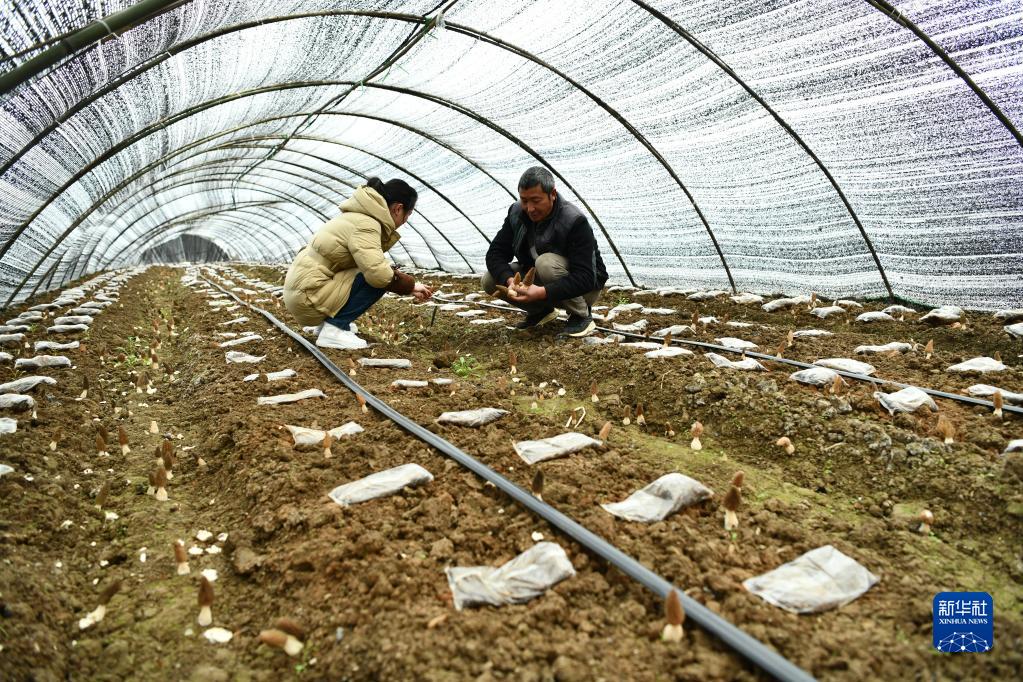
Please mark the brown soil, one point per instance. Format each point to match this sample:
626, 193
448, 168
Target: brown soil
367, 581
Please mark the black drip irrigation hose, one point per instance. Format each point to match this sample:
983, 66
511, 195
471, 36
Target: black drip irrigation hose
969, 400
755, 652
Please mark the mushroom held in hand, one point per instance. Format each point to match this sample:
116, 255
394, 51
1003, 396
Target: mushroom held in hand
675, 615
696, 431
205, 602
731, 504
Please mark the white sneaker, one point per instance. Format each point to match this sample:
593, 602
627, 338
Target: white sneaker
332, 337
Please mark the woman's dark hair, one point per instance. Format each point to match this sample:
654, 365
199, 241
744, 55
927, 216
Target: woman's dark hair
395, 190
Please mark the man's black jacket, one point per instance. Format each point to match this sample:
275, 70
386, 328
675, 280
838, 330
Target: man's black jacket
565, 232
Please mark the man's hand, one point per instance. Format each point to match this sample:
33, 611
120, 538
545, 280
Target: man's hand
422, 292
524, 294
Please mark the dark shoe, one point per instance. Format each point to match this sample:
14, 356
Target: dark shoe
578, 326
538, 318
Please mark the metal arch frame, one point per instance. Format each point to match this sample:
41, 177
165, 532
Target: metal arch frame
149, 130
292, 163
156, 259
899, 18
318, 182
720, 63
881, 5
127, 181
354, 172
104, 262
462, 29
145, 132
50, 271
321, 214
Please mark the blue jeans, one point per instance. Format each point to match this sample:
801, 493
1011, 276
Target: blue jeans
362, 296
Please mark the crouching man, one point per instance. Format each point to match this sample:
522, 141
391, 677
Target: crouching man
545, 232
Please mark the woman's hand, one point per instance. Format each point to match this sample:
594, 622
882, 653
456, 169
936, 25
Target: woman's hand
422, 292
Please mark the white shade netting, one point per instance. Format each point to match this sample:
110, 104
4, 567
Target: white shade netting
764, 146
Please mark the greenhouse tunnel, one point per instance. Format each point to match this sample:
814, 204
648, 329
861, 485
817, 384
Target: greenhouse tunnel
861, 148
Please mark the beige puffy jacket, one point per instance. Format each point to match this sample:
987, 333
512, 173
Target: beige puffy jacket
320, 279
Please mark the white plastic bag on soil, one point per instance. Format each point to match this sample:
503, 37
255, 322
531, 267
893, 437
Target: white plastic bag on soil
239, 341
478, 417
1014, 330
5, 357
393, 363
8, 425
1014, 446
657, 311
909, 399
674, 330
73, 319
737, 344
237, 320
409, 383
748, 364
13, 328
26, 384
594, 340
489, 320
239, 357
471, 313
291, 397
746, 299
380, 484
811, 333
68, 328
1010, 315
815, 376
984, 391
706, 295
273, 376
828, 310
451, 307
782, 303
946, 314
819, 580
11, 340
668, 352
846, 365
643, 345
874, 316
846, 303
533, 451
304, 437
41, 361
53, 345
4, 469
525, 577
981, 364
894, 310
637, 326
660, 499
16, 402
894, 346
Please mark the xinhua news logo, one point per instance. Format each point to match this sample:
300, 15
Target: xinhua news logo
964, 622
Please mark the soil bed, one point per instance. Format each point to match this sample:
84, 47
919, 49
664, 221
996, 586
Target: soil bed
368, 583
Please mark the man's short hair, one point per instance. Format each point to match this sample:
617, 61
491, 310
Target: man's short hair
537, 175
